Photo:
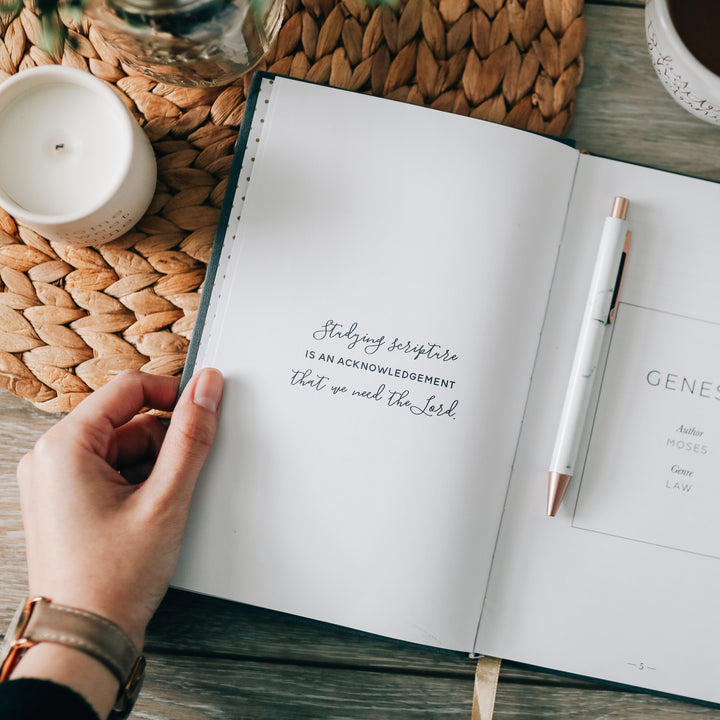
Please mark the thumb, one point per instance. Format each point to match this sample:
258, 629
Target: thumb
188, 439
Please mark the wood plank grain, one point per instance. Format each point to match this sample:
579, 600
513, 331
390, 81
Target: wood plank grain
20, 426
623, 110
186, 688
221, 630
183, 688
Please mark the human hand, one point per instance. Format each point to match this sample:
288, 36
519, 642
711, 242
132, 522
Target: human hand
96, 538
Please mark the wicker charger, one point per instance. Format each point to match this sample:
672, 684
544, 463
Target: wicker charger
72, 318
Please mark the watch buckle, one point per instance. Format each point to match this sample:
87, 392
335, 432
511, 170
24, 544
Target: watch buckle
129, 690
19, 642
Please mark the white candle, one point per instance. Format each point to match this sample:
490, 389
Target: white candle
74, 164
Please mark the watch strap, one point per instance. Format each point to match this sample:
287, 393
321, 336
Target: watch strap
93, 634
41, 620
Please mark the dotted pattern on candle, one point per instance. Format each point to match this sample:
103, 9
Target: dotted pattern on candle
114, 226
256, 128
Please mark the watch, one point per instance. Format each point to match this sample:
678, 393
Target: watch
40, 620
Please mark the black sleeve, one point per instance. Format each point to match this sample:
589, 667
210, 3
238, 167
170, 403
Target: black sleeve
30, 699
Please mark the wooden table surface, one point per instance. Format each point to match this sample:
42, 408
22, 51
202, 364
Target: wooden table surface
215, 659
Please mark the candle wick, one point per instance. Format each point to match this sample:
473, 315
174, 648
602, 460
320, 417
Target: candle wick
60, 146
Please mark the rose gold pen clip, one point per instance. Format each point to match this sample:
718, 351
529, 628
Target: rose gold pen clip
621, 275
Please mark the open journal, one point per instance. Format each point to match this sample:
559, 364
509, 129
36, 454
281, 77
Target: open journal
394, 298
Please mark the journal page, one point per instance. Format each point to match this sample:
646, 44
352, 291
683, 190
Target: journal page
377, 313
623, 583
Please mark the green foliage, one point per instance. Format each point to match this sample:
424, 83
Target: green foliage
53, 32
11, 7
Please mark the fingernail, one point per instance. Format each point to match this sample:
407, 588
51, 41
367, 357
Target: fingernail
208, 390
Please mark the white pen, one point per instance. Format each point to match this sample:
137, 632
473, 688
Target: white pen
599, 312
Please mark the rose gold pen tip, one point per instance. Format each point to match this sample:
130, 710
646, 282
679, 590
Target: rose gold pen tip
557, 487
620, 208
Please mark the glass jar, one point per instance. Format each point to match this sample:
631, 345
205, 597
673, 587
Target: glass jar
189, 42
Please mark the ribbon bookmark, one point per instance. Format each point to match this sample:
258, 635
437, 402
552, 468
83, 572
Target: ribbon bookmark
487, 672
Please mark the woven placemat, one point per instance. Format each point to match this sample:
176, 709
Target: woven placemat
72, 318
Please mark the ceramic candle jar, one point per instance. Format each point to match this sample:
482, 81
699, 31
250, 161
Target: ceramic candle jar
74, 164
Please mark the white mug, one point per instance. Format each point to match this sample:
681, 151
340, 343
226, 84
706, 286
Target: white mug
690, 82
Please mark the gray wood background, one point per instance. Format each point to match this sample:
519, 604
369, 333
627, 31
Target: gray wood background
214, 659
